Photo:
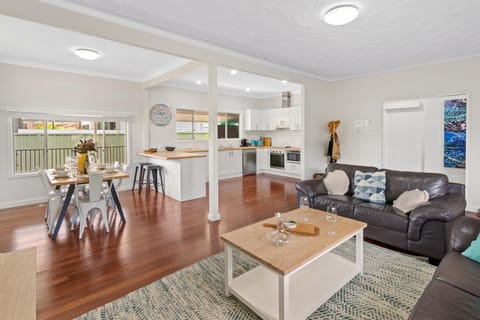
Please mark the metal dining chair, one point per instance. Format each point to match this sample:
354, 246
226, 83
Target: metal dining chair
94, 200
54, 201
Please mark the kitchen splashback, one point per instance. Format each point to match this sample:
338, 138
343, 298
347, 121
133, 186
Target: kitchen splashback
279, 137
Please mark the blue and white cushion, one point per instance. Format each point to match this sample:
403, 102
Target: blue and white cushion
370, 186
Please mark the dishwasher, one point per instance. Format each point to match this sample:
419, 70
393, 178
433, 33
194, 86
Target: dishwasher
249, 162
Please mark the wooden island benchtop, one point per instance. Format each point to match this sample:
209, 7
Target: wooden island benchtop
171, 155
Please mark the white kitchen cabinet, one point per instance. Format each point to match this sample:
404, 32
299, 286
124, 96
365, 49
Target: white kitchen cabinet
293, 168
229, 163
269, 117
295, 119
263, 159
253, 119
272, 119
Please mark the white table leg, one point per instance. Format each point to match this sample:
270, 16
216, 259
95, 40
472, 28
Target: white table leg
283, 296
228, 268
359, 251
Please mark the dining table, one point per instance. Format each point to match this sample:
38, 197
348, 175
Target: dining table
58, 181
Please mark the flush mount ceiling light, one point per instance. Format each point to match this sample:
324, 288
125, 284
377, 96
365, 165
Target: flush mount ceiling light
341, 15
199, 82
284, 81
87, 54
233, 72
247, 90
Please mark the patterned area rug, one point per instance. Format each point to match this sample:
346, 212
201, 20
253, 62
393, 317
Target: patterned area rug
391, 285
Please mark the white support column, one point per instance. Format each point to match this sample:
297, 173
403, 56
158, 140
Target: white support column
213, 214
146, 109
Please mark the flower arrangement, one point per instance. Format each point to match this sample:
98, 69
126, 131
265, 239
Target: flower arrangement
85, 145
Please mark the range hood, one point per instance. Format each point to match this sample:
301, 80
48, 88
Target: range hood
286, 99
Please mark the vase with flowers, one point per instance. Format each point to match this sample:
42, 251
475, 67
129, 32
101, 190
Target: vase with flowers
82, 150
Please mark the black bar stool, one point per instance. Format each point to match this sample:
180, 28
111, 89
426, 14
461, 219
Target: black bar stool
153, 170
141, 166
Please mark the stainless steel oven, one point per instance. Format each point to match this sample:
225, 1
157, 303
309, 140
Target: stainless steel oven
277, 159
293, 156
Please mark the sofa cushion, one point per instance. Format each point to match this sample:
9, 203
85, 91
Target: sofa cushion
473, 251
411, 199
383, 216
349, 169
441, 301
336, 182
459, 272
370, 186
436, 184
344, 204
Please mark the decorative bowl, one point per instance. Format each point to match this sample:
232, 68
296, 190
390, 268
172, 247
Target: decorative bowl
290, 224
280, 237
169, 148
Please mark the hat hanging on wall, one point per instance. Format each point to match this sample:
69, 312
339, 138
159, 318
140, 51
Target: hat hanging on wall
160, 115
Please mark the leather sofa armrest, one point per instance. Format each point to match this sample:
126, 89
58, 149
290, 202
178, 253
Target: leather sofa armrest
445, 209
456, 188
464, 231
310, 188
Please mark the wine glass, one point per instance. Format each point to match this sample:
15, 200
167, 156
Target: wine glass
332, 219
304, 204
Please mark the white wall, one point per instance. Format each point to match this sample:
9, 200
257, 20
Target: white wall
362, 99
422, 129
188, 99
40, 90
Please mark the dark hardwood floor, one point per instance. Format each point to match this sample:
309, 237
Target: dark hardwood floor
160, 237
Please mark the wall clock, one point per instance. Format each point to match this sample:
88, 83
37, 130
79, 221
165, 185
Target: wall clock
160, 114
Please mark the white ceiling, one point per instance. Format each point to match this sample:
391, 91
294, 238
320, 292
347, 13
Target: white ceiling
260, 87
31, 44
388, 35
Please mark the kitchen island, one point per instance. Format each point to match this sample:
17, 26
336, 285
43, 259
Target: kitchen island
185, 173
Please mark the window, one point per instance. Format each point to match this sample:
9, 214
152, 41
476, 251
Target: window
228, 125
45, 143
193, 125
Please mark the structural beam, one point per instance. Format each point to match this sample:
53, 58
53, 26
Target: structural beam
172, 74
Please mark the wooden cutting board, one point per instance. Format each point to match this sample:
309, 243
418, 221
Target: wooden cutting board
304, 229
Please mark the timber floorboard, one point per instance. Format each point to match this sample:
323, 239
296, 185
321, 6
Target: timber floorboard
161, 236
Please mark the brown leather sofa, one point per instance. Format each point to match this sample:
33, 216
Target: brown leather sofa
421, 231
454, 292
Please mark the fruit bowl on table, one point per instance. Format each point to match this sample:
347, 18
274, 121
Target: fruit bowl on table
168, 148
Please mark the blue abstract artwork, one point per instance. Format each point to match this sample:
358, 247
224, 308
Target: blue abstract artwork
455, 133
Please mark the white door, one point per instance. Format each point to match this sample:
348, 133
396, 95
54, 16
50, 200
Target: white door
403, 138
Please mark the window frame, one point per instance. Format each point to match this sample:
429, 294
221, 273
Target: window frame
225, 114
48, 116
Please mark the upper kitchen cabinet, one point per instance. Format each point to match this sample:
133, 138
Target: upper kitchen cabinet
253, 120
273, 119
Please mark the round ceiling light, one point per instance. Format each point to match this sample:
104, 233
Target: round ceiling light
341, 15
87, 54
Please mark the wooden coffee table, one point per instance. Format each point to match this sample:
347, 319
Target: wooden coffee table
293, 280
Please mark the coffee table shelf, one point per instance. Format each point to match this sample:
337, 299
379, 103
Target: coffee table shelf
309, 288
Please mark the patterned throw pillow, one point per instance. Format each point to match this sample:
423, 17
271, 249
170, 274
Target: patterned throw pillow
370, 186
